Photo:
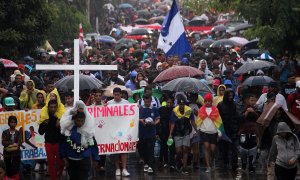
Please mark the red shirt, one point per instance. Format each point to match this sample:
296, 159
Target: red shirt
293, 103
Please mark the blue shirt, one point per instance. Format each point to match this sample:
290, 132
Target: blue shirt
68, 151
284, 72
148, 131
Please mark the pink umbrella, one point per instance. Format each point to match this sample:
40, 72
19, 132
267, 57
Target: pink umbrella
8, 63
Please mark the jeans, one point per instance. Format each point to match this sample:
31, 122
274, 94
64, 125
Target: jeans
147, 148
53, 158
234, 151
79, 169
248, 154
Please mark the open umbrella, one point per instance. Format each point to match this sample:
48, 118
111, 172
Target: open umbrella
127, 41
159, 19
120, 47
125, 5
140, 31
141, 21
85, 82
107, 39
253, 44
219, 28
239, 40
223, 43
254, 53
108, 91
266, 56
187, 84
240, 27
257, 81
197, 21
205, 43
8, 63
177, 72
254, 65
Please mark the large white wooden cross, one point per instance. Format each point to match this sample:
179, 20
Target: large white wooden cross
76, 67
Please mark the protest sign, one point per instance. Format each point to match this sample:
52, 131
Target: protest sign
116, 127
33, 143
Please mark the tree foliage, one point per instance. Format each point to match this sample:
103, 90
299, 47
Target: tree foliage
277, 22
66, 27
24, 26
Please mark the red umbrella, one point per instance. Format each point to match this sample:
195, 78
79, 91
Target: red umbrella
8, 63
177, 72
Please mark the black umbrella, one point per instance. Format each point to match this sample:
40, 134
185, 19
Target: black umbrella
240, 27
86, 82
205, 43
253, 44
120, 47
223, 43
127, 41
254, 65
257, 81
187, 84
159, 19
140, 31
141, 21
254, 53
197, 21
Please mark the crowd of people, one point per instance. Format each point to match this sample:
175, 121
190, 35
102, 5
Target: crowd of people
192, 129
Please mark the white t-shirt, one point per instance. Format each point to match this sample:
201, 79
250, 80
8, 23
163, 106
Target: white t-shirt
280, 100
111, 102
208, 125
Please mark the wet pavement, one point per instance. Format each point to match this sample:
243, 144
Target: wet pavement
136, 172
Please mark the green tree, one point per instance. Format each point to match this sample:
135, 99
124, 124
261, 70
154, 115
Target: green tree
24, 26
66, 27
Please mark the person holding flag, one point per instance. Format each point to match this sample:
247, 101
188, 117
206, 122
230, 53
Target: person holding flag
211, 129
172, 39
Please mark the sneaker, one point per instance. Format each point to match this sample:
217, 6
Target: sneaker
185, 171
251, 169
125, 173
165, 165
208, 170
118, 172
146, 167
150, 170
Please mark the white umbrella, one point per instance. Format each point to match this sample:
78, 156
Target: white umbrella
239, 40
266, 56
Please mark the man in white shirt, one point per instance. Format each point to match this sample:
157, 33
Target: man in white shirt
117, 92
280, 100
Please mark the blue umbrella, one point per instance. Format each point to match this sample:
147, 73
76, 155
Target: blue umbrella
107, 39
125, 5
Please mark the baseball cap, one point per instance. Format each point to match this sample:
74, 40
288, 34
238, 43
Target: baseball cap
21, 66
298, 84
9, 101
143, 83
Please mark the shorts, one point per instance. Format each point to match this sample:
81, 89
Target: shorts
210, 138
182, 141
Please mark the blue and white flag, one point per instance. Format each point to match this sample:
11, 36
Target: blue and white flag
172, 39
